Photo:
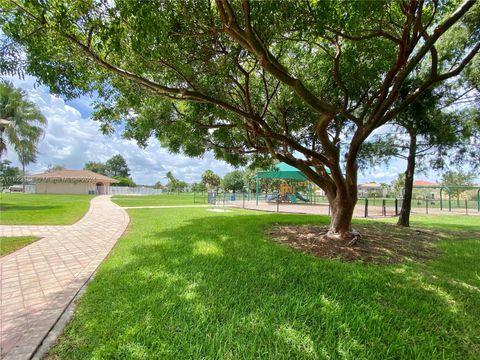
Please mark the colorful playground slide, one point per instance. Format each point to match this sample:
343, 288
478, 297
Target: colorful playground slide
293, 198
301, 198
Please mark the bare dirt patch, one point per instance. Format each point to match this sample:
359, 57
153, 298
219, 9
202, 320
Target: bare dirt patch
379, 244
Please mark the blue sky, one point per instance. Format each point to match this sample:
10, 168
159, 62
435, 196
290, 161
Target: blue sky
72, 139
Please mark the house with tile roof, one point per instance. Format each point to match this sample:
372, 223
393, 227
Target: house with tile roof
426, 189
372, 189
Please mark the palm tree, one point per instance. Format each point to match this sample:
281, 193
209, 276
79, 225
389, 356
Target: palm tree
27, 154
171, 181
22, 123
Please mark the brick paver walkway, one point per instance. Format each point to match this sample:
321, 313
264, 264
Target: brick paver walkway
40, 280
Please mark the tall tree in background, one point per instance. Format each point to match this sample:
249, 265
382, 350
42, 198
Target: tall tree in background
458, 178
429, 132
180, 186
24, 126
26, 155
175, 184
9, 175
158, 185
117, 166
303, 82
435, 131
398, 185
233, 181
96, 167
211, 180
53, 168
124, 181
171, 181
198, 187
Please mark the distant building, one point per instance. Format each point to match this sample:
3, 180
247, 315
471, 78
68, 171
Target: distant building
372, 189
421, 189
72, 182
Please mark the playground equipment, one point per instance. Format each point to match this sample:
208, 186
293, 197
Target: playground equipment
287, 197
300, 197
287, 192
273, 196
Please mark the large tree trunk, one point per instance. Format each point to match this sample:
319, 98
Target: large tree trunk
404, 218
342, 208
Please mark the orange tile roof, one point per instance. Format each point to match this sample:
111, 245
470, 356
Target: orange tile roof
73, 175
424, 183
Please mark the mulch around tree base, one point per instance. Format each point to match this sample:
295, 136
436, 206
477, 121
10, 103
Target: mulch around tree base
379, 244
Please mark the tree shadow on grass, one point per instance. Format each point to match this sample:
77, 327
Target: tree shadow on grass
16, 207
215, 287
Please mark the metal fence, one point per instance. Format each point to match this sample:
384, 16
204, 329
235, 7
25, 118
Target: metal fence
366, 207
315, 204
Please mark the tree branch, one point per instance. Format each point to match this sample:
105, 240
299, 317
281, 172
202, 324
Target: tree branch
173, 93
371, 35
250, 40
336, 74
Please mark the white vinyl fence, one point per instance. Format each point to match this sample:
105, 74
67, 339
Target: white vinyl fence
101, 190
125, 190
30, 188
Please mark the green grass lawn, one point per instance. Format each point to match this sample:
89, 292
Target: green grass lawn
36, 209
162, 199
194, 284
11, 244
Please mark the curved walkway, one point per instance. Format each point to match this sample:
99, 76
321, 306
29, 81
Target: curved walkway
40, 280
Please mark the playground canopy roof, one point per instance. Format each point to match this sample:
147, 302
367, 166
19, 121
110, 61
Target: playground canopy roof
284, 171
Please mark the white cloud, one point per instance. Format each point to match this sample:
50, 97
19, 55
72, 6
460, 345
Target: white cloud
72, 139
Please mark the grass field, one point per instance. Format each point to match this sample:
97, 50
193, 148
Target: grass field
11, 244
194, 284
447, 223
162, 199
39, 209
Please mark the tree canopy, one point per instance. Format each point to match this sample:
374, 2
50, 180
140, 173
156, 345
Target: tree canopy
424, 135
53, 168
233, 181
304, 82
124, 181
458, 178
210, 179
175, 184
9, 175
117, 166
96, 167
